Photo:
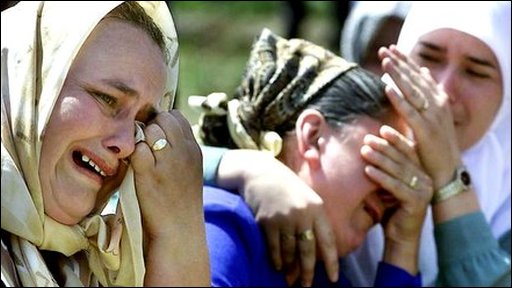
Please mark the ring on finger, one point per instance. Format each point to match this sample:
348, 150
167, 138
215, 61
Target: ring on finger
414, 182
425, 105
159, 144
307, 235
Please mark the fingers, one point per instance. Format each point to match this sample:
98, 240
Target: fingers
144, 157
183, 123
400, 142
408, 84
307, 242
306, 248
288, 246
382, 155
160, 136
274, 244
414, 82
394, 163
406, 110
291, 249
327, 246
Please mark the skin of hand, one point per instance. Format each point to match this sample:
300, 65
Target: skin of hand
433, 130
169, 188
393, 163
285, 212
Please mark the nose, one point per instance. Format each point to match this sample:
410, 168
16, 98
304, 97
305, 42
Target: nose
448, 80
121, 140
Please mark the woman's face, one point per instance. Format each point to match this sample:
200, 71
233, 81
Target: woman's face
351, 199
118, 77
468, 71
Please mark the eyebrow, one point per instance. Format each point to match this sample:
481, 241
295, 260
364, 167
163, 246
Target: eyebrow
148, 111
432, 46
122, 87
473, 59
481, 61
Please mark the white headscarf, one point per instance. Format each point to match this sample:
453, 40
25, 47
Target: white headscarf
40, 40
364, 20
488, 160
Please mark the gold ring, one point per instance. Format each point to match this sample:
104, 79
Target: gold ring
425, 105
307, 235
159, 144
414, 182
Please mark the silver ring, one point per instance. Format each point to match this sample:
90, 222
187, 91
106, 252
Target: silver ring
414, 182
159, 144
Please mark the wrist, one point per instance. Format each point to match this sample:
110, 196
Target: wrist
403, 255
460, 182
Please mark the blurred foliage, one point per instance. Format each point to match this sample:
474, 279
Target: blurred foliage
216, 36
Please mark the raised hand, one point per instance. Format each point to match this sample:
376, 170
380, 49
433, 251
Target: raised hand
395, 166
168, 179
426, 109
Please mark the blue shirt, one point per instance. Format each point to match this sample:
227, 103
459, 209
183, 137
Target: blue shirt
239, 255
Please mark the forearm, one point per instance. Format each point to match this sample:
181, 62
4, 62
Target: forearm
232, 175
468, 253
212, 156
456, 206
403, 255
181, 257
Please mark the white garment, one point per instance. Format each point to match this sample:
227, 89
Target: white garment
363, 22
488, 160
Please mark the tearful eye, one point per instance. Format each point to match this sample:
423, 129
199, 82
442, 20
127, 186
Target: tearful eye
109, 100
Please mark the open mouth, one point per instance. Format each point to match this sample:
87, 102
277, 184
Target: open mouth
85, 162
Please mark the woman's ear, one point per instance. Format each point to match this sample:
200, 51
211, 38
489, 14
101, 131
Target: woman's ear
309, 128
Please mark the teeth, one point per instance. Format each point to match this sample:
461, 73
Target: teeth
93, 165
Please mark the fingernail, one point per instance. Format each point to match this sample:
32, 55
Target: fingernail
334, 277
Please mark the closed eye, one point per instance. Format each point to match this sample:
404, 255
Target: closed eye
477, 74
429, 58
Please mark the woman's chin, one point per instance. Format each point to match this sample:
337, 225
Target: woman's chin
69, 216
64, 218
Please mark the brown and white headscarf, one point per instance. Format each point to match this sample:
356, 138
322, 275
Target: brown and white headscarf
281, 77
39, 42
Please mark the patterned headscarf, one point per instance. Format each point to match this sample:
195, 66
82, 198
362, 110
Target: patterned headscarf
40, 40
281, 79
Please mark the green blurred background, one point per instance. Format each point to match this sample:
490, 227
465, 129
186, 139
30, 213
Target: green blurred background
215, 39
